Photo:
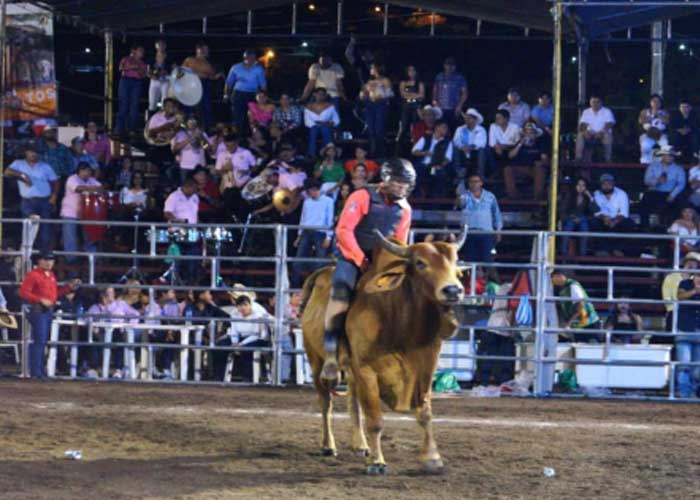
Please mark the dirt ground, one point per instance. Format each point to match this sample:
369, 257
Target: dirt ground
143, 441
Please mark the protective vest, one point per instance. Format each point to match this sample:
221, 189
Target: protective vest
380, 216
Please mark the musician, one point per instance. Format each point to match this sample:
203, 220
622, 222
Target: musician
189, 145
40, 291
133, 72
182, 205
245, 79
81, 182
158, 72
165, 121
292, 179
209, 195
199, 63
235, 164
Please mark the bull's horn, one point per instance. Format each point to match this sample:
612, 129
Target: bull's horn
398, 250
459, 243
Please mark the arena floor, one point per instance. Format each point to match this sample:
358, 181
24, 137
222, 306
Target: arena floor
208, 442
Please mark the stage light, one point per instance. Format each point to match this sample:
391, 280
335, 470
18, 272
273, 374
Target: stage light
377, 9
641, 80
574, 59
304, 44
682, 47
87, 50
312, 7
270, 54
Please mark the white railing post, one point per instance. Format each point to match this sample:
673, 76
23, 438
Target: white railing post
280, 302
539, 388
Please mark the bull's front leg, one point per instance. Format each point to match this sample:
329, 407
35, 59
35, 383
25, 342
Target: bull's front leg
429, 454
368, 395
359, 441
328, 448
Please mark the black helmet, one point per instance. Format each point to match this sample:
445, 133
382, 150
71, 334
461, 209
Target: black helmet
398, 169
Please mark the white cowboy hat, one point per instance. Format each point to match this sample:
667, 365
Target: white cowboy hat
473, 112
666, 150
239, 290
432, 109
538, 131
7, 320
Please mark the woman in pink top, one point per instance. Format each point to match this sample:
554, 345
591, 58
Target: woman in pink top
260, 112
97, 145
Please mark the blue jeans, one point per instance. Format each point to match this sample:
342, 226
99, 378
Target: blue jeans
70, 239
42, 208
575, 224
687, 377
129, 96
40, 321
326, 136
239, 109
310, 244
478, 248
375, 116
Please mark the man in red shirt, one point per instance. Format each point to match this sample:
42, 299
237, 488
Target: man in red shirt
383, 208
132, 69
40, 291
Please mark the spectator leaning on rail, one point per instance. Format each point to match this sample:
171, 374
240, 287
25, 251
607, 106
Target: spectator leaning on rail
40, 291
595, 128
577, 311
688, 338
612, 216
666, 181
480, 211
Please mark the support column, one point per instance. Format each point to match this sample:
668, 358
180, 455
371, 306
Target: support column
658, 48
582, 73
3, 83
556, 127
109, 82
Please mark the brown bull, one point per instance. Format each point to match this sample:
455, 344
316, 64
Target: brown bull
395, 327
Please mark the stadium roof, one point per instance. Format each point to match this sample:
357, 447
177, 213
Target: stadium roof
592, 21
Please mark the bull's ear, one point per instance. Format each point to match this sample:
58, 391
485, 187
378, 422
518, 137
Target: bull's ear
385, 282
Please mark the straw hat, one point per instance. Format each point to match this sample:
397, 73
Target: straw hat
666, 150
7, 320
239, 290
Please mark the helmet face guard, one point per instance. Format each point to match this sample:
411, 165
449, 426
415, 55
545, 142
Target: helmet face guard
399, 170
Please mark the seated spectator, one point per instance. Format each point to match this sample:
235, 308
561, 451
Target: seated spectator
428, 116
188, 146
665, 180
503, 136
612, 216
694, 183
168, 307
320, 117
595, 128
519, 110
688, 346
412, 92
470, 141
316, 213
687, 225
327, 76
543, 116
527, 159
261, 111
209, 196
80, 182
286, 120
359, 177
260, 145
578, 209
376, 95
125, 172
653, 121
684, 130
361, 157
481, 212
329, 170
433, 155
98, 145
450, 91
622, 318
577, 312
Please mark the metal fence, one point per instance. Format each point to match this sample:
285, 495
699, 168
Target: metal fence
538, 349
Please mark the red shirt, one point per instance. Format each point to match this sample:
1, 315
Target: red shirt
356, 207
372, 167
418, 130
39, 284
139, 73
211, 190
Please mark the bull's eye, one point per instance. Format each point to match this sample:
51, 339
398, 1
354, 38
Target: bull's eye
421, 265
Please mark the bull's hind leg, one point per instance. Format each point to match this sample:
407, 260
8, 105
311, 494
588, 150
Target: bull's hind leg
429, 455
359, 442
368, 395
328, 448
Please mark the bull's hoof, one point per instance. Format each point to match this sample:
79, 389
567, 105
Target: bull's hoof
362, 452
376, 470
433, 466
329, 452
330, 372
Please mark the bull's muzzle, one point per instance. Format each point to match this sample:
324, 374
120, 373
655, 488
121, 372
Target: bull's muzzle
452, 293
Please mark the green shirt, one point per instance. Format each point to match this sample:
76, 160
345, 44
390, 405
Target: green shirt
575, 292
335, 173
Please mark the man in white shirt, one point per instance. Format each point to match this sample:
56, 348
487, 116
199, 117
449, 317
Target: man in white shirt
470, 140
612, 215
182, 206
325, 74
503, 136
595, 128
694, 183
235, 164
80, 182
247, 333
317, 212
188, 146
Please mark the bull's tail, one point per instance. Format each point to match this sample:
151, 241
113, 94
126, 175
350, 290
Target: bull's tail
308, 287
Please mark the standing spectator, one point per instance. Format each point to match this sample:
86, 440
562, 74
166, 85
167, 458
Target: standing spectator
327, 75
578, 209
40, 291
158, 72
362, 64
80, 182
687, 225
665, 180
687, 339
188, 145
320, 117
371, 166
54, 153
684, 130
133, 71
260, 111
244, 80
595, 128
428, 116
470, 141
577, 311
612, 215
182, 205
38, 188
450, 91
653, 121
543, 116
527, 159
376, 94
623, 319
77, 149
312, 241
199, 63
434, 155
98, 145
480, 211
286, 120
503, 136
412, 92
519, 110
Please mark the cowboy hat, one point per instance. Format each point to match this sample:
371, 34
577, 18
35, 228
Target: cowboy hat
666, 150
7, 320
538, 131
437, 112
473, 112
239, 290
